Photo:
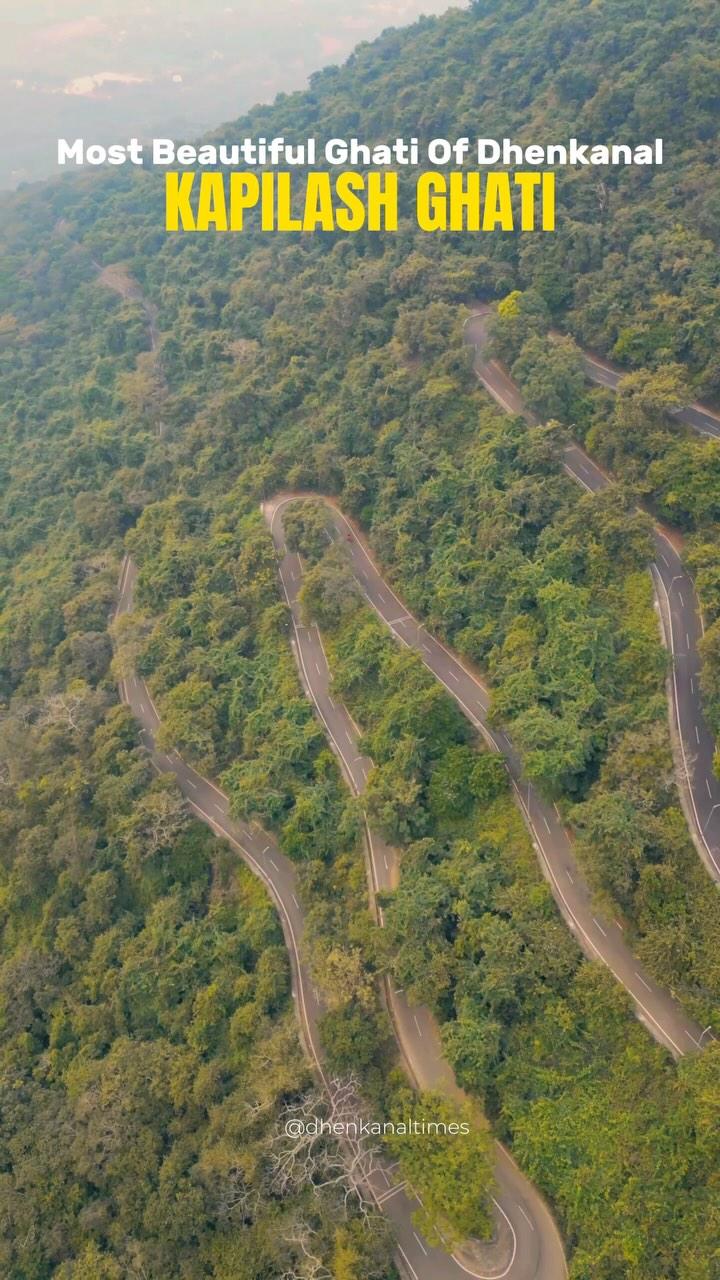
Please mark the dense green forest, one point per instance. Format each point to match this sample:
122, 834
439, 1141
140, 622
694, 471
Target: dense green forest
144, 993
589, 1111
670, 468
149, 1046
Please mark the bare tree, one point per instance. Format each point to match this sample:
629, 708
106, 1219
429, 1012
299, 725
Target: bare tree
237, 1200
135, 1263
309, 1266
162, 814
308, 1153
64, 709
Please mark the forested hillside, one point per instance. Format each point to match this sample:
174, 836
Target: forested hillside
145, 1002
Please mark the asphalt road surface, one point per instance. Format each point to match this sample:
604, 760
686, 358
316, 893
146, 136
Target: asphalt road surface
600, 938
698, 416
527, 1245
677, 603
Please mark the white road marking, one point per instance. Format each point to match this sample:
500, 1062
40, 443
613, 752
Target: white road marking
408, 1263
641, 979
709, 788
532, 1228
682, 602
491, 739
547, 824
192, 784
399, 1186
422, 1246
676, 712
417, 1024
597, 922
697, 735
297, 904
453, 675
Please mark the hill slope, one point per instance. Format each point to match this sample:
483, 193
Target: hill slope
337, 364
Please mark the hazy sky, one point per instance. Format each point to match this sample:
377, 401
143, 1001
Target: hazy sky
105, 70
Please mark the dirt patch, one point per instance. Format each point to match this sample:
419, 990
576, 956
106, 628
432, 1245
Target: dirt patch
118, 278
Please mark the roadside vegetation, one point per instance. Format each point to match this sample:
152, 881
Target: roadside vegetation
545, 1039
149, 1044
143, 985
671, 468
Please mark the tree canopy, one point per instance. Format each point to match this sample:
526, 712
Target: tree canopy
143, 985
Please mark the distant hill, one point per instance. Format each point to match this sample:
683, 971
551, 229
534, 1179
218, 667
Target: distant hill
126, 69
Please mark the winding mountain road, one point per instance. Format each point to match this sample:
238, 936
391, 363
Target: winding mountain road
527, 1245
696, 415
677, 602
600, 939
527, 1236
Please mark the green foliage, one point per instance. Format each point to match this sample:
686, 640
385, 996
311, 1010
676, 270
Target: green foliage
449, 793
488, 778
521, 1012
545, 1039
552, 379
346, 958
336, 364
521, 318
449, 1168
703, 559
144, 1003
306, 529
412, 731
329, 592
